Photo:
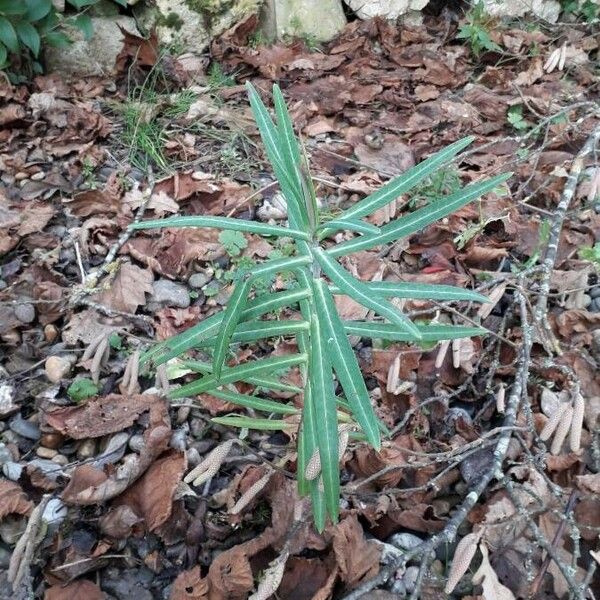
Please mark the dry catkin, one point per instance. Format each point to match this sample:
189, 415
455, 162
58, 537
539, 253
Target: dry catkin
272, 578
210, 466
393, 375
456, 353
441, 355
500, 399
313, 467
552, 422
562, 430
251, 493
577, 423
463, 555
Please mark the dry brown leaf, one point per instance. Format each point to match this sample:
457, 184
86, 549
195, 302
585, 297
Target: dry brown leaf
590, 484
230, 576
189, 585
75, 590
151, 496
461, 561
118, 522
128, 289
101, 416
486, 576
13, 499
357, 559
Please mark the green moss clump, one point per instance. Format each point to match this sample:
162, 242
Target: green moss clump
172, 20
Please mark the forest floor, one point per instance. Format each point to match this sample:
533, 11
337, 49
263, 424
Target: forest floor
93, 501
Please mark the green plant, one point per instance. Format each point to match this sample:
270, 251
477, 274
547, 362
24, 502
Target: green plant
233, 242
587, 9
444, 181
82, 389
324, 351
591, 253
27, 24
477, 30
514, 116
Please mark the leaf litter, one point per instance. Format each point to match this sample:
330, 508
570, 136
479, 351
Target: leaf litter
370, 104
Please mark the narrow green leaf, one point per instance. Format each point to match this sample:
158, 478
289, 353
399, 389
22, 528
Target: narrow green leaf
231, 317
8, 35
237, 373
420, 291
406, 181
222, 223
323, 399
83, 22
420, 218
345, 363
194, 336
249, 423
429, 333
29, 36
262, 404
57, 39
350, 225
3, 55
257, 330
357, 290
277, 265
290, 186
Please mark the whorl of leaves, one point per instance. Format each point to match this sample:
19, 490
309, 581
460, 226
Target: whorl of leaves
325, 353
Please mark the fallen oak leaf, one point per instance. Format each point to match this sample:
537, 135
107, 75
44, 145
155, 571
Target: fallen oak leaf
13, 500
190, 585
486, 576
74, 591
127, 290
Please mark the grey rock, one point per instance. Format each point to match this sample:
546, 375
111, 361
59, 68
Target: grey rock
398, 588
198, 280
388, 9
25, 313
410, 579
12, 470
136, 443
594, 292
405, 540
594, 305
55, 513
24, 428
49, 468
170, 293
3, 284
126, 585
5, 454
179, 438
4, 558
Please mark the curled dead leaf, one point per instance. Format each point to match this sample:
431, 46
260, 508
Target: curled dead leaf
13, 499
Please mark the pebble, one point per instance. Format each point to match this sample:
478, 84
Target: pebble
12, 470
11, 529
50, 333
3, 284
60, 459
55, 513
594, 305
86, 449
405, 540
178, 439
410, 579
38, 176
57, 368
4, 558
193, 457
198, 280
47, 467
594, 292
21, 175
52, 440
183, 412
43, 452
24, 428
276, 208
25, 313
170, 293
136, 443
5, 454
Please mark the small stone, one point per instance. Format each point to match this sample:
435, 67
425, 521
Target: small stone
25, 428
594, 292
594, 305
193, 457
52, 440
4, 558
12, 470
43, 452
5, 454
178, 439
25, 313
21, 175
405, 540
183, 412
86, 449
136, 443
57, 368
170, 293
38, 176
50, 333
276, 208
410, 579
7, 400
198, 280
12, 528
3, 284
55, 513
60, 459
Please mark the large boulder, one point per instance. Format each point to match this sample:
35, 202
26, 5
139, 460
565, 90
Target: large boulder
96, 56
388, 9
190, 25
319, 20
549, 10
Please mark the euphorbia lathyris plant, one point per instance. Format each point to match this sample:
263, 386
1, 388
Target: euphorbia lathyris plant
325, 356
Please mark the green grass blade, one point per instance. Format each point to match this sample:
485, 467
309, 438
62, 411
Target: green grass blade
351, 225
429, 333
357, 290
419, 219
345, 363
323, 400
222, 223
419, 291
406, 181
237, 373
231, 317
262, 404
271, 302
258, 330
250, 423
